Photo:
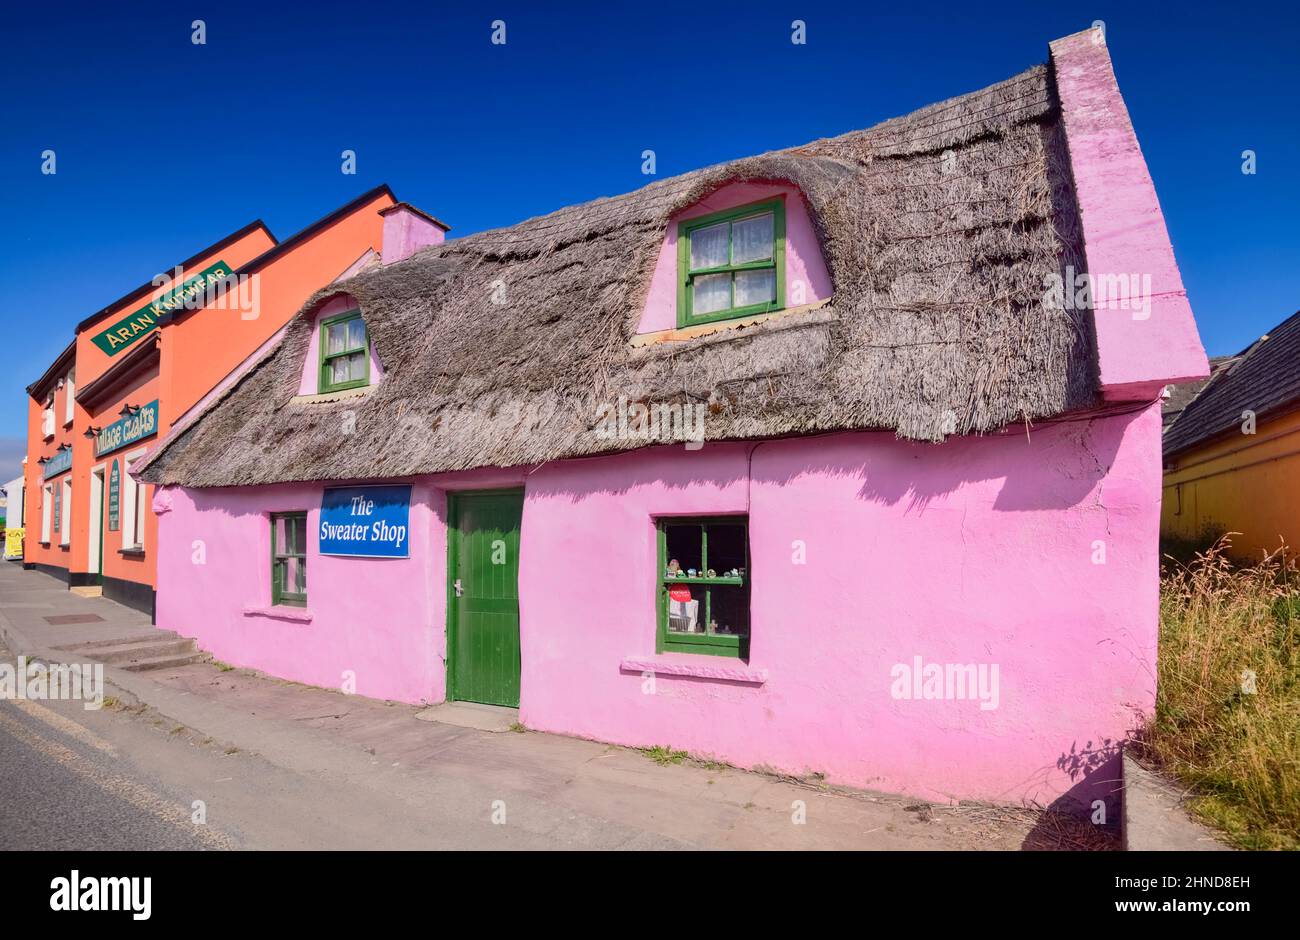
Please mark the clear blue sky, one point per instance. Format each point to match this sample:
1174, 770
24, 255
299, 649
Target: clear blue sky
164, 146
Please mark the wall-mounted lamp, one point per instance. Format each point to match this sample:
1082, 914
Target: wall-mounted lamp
42, 461
91, 433
128, 410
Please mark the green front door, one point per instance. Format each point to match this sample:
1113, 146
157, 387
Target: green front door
483, 597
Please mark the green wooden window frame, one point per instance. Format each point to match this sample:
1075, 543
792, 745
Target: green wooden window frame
686, 276
327, 358
706, 643
280, 555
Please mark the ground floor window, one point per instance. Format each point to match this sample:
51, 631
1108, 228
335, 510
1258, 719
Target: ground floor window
134, 503
703, 596
47, 500
65, 511
289, 558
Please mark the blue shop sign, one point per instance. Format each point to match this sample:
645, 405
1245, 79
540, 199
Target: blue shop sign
369, 521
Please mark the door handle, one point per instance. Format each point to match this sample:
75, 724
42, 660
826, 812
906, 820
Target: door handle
459, 590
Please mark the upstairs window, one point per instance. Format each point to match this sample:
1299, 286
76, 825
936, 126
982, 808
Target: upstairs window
344, 352
69, 397
731, 264
47, 418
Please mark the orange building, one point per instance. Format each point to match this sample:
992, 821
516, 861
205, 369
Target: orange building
1232, 453
143, 361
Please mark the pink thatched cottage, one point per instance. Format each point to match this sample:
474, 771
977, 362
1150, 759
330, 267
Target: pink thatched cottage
841, 459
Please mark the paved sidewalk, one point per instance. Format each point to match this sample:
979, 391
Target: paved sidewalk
560, 791
29, 598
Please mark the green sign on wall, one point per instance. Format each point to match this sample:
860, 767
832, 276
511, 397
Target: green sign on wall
59, 463
128, 430
114, 497
130, 328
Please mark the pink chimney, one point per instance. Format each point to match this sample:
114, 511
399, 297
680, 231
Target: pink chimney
407, 230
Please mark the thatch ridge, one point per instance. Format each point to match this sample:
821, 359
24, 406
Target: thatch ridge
939, 231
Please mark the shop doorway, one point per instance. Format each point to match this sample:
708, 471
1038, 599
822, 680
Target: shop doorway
483, 596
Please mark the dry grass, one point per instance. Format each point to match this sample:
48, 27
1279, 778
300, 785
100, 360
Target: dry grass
1227, 721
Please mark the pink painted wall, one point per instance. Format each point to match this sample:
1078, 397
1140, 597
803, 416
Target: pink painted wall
1124, 230
393, 649
803, 259
382, 618
310, 381
979, 550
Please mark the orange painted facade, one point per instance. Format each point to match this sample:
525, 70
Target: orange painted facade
174, 358
47, 435
1245, 483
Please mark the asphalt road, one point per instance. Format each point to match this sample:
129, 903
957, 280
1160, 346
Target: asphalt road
62, 791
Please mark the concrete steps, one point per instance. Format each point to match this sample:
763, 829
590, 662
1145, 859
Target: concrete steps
161, 649
163, 662
143, 636
88, 590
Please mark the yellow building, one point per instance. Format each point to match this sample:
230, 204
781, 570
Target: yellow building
1232, 452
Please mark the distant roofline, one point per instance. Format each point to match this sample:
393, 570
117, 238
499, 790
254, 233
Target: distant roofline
1221, 367
56, 369
193, 259
1280, 410
294, 240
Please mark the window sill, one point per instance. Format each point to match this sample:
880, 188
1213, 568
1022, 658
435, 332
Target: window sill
279, 612
341, 395
67, 424
685, 664
64, 546
43, 544
804, 315
131, 552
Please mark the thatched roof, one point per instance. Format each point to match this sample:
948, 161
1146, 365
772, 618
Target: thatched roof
938, 229
1264, 379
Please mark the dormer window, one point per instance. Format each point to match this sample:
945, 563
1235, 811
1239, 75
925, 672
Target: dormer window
344, 352
731, 264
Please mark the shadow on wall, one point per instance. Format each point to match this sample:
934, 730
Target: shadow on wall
1055, 466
